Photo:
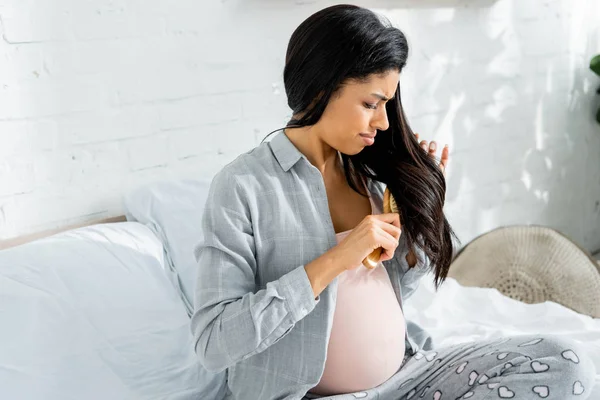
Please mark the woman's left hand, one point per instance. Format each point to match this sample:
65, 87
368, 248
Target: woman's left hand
432, 148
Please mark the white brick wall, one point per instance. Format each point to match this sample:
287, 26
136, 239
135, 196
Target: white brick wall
99, 97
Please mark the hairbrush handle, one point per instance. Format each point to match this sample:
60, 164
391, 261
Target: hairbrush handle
372, 259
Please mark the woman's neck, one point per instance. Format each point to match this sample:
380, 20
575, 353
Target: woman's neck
324, 157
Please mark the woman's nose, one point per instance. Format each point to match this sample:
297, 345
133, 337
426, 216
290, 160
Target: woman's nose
381, 122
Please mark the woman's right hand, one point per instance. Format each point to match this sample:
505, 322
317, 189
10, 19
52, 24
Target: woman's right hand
373, 232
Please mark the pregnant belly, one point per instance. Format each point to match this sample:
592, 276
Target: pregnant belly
366, 346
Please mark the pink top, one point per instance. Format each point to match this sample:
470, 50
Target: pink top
366, 346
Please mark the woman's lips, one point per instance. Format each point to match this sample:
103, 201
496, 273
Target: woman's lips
367, 139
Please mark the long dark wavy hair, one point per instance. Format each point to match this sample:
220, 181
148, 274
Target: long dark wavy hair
346, 42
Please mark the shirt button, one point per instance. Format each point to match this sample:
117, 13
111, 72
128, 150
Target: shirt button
360, 395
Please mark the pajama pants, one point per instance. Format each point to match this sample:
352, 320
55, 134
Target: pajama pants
516, 367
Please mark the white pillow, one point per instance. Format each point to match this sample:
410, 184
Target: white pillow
90, 314
173, 211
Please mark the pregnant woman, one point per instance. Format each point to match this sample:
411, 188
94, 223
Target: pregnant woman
283, 300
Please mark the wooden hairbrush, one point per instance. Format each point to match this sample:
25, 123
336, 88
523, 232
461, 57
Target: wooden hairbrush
389, 206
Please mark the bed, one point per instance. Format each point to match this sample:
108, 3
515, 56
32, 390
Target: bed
458, 313
101, 311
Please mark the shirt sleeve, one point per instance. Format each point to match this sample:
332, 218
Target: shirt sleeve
412, 276
232, 320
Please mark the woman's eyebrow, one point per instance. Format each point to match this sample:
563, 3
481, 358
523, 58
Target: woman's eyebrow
379, 96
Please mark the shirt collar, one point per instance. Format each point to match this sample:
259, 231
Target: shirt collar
285, 152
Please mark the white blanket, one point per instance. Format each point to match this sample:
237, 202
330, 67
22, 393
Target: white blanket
456, 314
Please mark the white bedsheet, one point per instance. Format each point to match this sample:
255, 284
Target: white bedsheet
455, 314
90, 314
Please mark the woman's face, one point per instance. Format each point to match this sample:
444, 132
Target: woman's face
358, 108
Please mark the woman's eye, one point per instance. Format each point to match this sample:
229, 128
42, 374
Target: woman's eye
371, 106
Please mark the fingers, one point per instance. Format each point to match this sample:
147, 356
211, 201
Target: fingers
445, 159
425, 146
389, 218
389, 244
431, 149
391, 224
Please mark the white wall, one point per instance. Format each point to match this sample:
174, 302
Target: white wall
96, 99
